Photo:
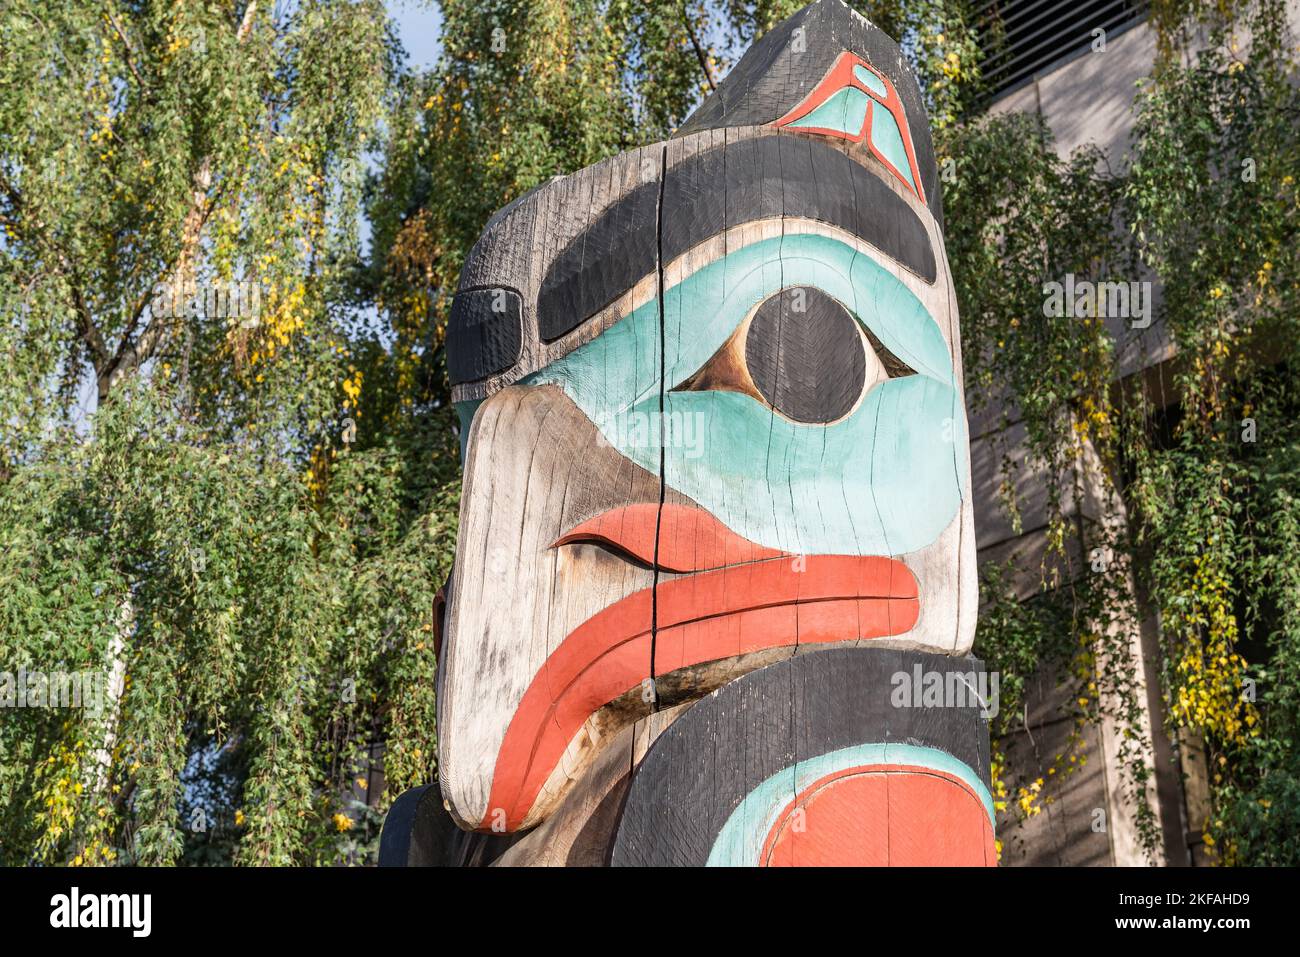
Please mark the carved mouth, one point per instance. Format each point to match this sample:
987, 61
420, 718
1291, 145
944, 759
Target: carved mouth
733, 597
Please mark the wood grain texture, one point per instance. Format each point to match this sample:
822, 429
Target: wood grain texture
576, 219
674, 475
788, 62
535, 470
795, 719
805, 354
419, 830
580, 833
945, 567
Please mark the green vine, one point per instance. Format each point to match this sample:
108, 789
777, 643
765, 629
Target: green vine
1194, 470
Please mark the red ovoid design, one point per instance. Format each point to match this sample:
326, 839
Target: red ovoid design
735, 597
883, 815
844, 74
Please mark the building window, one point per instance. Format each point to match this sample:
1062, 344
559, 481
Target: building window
1021, 38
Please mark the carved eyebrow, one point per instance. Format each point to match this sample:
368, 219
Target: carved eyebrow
747, 180
601, 263
790, 176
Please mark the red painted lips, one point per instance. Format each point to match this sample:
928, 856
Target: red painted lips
741, 597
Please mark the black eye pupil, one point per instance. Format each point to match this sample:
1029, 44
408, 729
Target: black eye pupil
805, 355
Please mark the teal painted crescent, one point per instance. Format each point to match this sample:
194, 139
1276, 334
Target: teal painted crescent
740, 842
871, 81
886, 137
845, 111
885, 479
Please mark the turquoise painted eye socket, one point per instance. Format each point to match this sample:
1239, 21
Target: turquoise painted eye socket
703, 310
804, 355
884, 478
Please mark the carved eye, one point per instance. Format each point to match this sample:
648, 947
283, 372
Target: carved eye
802, 354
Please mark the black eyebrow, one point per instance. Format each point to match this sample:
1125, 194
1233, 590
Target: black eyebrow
744, 181
792, 176
601, 263
747, 180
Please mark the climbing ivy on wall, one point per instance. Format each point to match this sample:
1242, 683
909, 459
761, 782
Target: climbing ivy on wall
1200, 463
1018, 217
1216, 213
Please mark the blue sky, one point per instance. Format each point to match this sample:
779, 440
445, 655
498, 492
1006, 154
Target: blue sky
419, 25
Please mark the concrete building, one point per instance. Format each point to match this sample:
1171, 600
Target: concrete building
1051, 63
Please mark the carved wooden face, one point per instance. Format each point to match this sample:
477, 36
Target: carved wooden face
712, 406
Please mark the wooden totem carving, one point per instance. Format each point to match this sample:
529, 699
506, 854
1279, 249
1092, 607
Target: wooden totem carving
716, 536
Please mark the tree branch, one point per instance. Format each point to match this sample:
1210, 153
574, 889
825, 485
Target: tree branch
699, 50
90, 333
246, 24
131, 355
129, 55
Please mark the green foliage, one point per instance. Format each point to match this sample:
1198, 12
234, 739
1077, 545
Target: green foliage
1019, 217
1197, 498
262, 586
252, 588
285, 629
1216, 214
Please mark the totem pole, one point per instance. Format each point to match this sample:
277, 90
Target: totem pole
715, 577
